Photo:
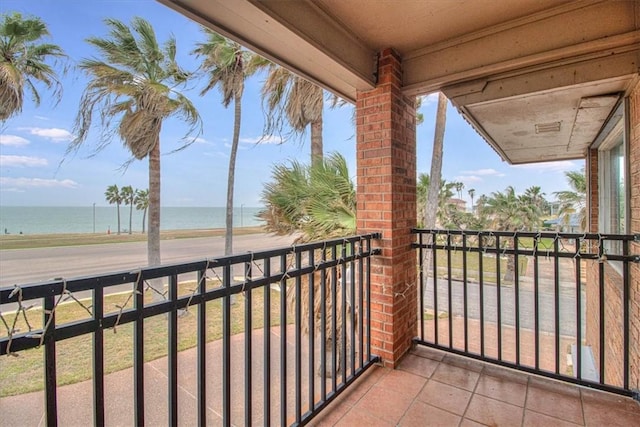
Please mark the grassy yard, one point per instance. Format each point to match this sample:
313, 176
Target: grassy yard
24, 241
473, 261
24, 373
544, 244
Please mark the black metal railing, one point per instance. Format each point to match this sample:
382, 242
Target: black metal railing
553, 304
311, 345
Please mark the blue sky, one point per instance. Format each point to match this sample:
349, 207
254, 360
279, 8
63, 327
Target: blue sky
33, 144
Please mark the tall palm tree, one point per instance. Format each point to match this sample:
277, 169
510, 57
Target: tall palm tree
459, 186
472, 193
23, 62
227, 66
575, 200
435, 175
296, 101
127, 194
141, 200
114, 197
444, 194
132, 88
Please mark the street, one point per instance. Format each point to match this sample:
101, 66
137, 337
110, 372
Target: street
24, 266
546, 305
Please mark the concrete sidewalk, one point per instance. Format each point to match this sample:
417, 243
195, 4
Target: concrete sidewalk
75, 406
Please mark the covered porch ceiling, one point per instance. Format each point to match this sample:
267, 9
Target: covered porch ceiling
536, 78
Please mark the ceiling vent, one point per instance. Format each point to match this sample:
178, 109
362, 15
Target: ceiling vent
547, 127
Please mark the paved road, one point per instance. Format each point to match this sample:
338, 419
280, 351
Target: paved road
546, 305
23, 266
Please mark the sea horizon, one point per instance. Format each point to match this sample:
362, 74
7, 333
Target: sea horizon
103, 219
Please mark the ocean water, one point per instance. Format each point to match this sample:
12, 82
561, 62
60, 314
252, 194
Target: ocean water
81, 219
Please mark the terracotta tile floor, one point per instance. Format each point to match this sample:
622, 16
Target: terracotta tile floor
432, 388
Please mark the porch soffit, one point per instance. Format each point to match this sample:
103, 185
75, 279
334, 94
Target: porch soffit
476, 51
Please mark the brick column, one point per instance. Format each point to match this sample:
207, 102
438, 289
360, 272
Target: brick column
386, 195
634, 184
613, 280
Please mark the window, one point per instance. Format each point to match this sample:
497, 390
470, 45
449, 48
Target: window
613, 186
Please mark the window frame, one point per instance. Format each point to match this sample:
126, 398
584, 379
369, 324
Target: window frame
614, 133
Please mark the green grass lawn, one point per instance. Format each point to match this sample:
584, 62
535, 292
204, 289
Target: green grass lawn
544, 243
473, 262
25, 373
24, 241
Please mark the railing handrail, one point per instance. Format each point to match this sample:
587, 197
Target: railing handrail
539, 234
336, 273
87, 283
595, 292
55, 288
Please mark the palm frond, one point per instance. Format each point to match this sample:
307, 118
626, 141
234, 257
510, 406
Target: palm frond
316, 200
132, 88
23, 63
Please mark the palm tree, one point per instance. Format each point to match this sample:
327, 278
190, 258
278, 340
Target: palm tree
505, 210
141, 201
574, 200
534, 198
23, 62
318, 200
510, 212
227, 65
459, 186
472, 193
132, 88
444, 194
432, 204
114, 197
296, 101
127, 194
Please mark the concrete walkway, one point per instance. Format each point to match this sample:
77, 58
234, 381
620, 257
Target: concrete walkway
430, 387
75, 406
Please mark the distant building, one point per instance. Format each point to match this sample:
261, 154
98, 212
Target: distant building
567, 223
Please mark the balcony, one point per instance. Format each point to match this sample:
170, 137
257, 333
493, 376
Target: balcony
199, 350
432, 387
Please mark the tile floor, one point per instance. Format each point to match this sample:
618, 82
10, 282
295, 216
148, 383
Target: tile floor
432, 388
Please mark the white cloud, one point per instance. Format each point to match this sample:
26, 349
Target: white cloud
37, 183
559, 166
54, 134
262, 140
468, 178
483, 172
42, 118
240, 147
477, 175
11, 190
200, 140
13, 140
22, 161
432, 98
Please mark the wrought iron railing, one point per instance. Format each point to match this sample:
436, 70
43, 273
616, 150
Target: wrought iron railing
313, 344
553, 304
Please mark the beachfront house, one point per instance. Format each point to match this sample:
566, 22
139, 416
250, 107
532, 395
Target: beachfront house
540, 80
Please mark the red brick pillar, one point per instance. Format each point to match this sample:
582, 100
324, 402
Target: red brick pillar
634, 184
386, 164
